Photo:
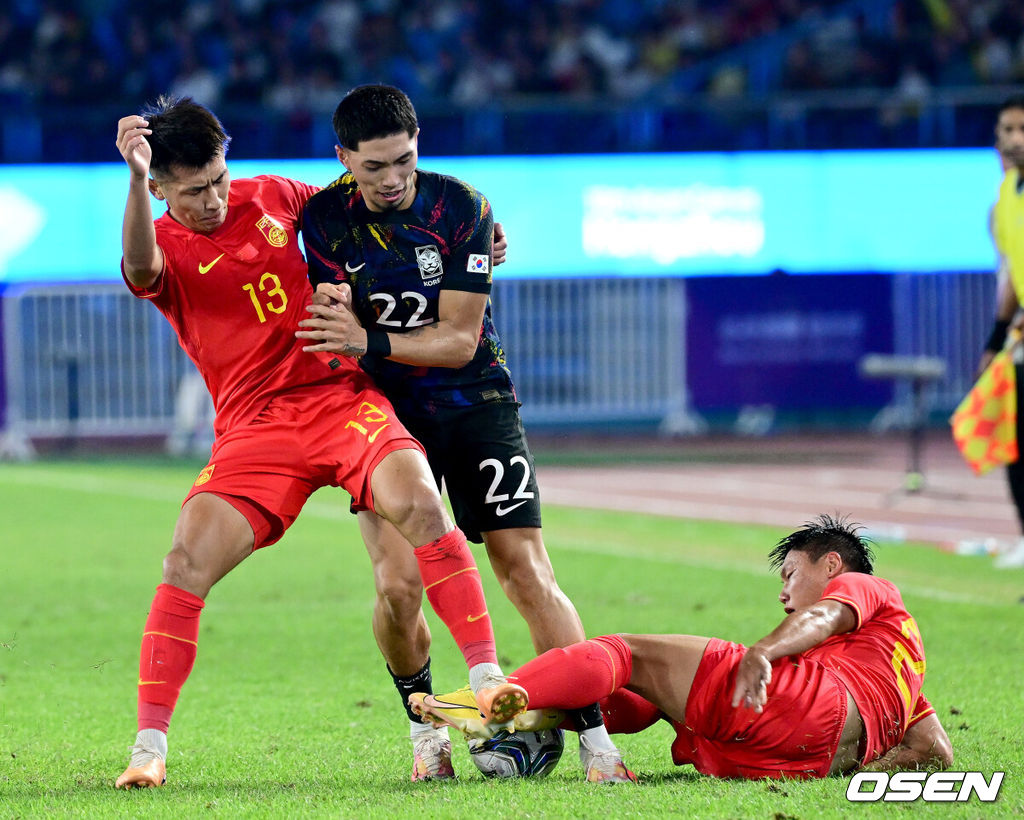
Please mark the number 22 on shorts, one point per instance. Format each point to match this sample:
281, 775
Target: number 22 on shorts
370, 421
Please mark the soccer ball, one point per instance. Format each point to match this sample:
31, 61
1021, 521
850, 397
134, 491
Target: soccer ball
518, 754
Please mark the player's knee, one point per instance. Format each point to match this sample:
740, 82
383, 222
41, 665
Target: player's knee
418, 509
530, 589
399, 597
183, 570
523, 576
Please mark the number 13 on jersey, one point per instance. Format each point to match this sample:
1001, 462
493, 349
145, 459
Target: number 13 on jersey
370, 421
271, 295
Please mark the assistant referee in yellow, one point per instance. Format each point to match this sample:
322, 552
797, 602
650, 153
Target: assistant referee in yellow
1007, 226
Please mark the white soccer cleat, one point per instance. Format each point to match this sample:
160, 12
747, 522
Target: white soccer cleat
432, 756
604, 765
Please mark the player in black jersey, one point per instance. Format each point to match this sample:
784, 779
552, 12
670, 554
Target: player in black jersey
401, 260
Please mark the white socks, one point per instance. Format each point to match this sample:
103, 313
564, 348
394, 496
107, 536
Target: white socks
148, 742
484, 675
598, 739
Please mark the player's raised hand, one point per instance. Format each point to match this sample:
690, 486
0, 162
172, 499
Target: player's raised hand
133, 145
500, 246
753, 675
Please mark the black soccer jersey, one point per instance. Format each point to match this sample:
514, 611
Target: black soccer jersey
397, 263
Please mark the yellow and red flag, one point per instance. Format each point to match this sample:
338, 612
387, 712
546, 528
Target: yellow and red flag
985, 423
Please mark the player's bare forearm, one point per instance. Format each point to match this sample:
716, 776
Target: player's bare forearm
1007, 302
901, 758
142, 258
807, 628
1008, 314
435, 345
428, 346
452, 340
800, 631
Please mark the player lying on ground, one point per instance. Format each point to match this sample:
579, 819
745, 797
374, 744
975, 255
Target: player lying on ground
224, 267
836, 686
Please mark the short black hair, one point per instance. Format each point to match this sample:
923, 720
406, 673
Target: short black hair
369, 112
823, 535
185, 134
1014, 101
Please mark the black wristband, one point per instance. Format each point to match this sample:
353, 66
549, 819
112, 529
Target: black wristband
997, 338
378, 343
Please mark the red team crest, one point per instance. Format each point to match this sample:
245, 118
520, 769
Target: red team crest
205, 475
272, 231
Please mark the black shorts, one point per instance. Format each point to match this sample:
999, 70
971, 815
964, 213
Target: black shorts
482, 455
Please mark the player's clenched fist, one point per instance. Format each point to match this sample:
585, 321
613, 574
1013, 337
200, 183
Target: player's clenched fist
133, 145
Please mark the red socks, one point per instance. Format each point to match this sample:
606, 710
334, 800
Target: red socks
577, 675
168, 651
626, 713
452, 583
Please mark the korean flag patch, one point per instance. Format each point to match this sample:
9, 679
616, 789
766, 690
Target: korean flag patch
479, 263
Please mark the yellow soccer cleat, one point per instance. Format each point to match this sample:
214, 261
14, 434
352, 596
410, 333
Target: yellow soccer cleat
458, 709
490, 710
500, 704
538, 720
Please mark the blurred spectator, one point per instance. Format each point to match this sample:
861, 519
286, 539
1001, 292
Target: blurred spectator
801, 71
196, 80
295, 56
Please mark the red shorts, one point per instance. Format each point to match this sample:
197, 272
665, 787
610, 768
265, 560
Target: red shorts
796, 735
302, 440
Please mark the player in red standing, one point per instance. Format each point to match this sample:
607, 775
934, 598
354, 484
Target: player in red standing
836, 686
224, 267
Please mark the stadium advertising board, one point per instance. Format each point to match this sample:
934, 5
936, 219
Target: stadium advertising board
623, 215
786, 342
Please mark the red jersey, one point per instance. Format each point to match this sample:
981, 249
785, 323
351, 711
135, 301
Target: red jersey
235, 298
880, 661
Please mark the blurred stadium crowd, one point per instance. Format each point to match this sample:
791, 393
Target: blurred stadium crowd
293, 60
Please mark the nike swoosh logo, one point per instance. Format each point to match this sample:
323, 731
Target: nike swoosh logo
474, 618
506, 510
447, 704
356, 269
204, 268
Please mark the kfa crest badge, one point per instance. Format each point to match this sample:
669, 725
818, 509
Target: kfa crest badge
272, 231
428, 258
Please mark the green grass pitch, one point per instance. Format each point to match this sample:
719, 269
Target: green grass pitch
290, 712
